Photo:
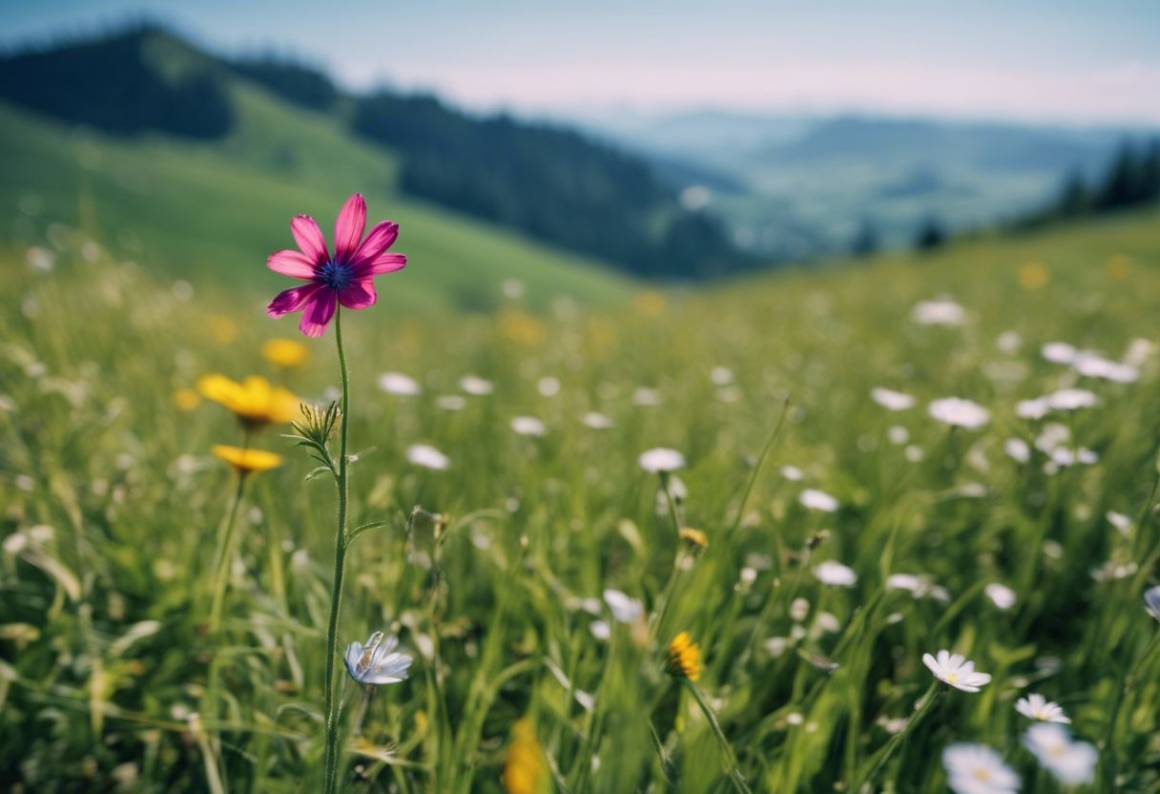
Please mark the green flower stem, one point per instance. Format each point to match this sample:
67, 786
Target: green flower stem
332, 730
225, 555
726, 748
896, 740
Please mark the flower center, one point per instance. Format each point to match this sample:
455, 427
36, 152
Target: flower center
336, 275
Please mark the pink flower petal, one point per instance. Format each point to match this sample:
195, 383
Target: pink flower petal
348, 229
309, 238
385, 262
294, 264
318, 312
380, 239
291, 300
359, 294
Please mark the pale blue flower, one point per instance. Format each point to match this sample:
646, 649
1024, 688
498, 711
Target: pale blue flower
376, 662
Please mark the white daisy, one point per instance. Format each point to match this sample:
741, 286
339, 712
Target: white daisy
1032, 409
898, 435
891, 400
428, 457
1001, 595
959, 412
624, 608
1052, 437
528, 426
1017, 449
1009, 342
399, 384
1093, 365
661, 459
953, 669
792, 473
1058, 352
450, 402
475, 385
1072, 399
938, 312
1120, 521
1072, 763
376, 662
977, 769
548, 386
596, 421
835, 574
818, 500
1037, 707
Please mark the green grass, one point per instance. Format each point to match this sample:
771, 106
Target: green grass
214, 211
102, 617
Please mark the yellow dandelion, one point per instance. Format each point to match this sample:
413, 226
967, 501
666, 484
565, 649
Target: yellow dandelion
186, 399
694, 537
1034, 275
684, 657
521, 328
649, 303
285, 353
254, 401
1119, 267
247, 460
223, 329
524, 769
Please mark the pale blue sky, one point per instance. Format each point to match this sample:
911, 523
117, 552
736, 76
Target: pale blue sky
1050, 60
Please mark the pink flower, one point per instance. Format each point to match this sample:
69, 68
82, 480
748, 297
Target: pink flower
348, 277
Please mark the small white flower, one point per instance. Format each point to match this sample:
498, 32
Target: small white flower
959, 412
1120, 521
548, 386
1139, 351
475, 385
661, 459
1037, 707
1052, 437
624, 608
600, 629
1093, 365
891, 400
1058, 352
977, 769
1009, 342
938, 312
914, 453
376, 662
721, 376
1071, 399
1072, 763
513, 288
1152, 601
450, 402
898, 435
40, 259
792, 473
399, 384
596, 421
1032, 409
428, 457
646, 397
953, 669
917, 586
528, 426
1001, 595
1017, 449
818, 500
835, 574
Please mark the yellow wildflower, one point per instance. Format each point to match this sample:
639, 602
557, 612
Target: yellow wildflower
285, 353
684, 657
247, 460
254, 401
186, 399
524, 770
694, 537
1119, 267
1033, 275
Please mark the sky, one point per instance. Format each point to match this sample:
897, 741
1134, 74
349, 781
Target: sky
1071, 61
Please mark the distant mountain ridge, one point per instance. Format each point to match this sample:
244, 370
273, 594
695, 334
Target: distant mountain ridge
548, 182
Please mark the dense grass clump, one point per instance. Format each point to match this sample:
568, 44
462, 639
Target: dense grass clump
778, 647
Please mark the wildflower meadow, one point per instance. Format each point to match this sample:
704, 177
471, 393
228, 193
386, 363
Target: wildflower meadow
885, 526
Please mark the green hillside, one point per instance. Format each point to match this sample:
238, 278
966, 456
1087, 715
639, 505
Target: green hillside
206, 211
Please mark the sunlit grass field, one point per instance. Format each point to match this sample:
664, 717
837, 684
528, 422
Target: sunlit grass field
113, 509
